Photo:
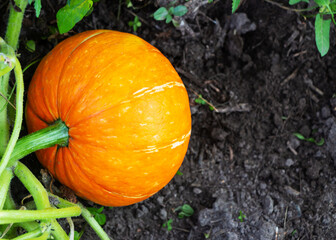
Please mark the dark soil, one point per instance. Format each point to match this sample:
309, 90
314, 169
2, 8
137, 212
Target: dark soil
262, 72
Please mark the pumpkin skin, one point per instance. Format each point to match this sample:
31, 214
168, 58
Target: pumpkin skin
127, 111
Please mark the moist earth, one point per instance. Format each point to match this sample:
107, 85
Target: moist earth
246, 175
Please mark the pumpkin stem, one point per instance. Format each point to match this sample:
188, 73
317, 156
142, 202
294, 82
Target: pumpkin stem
55, 134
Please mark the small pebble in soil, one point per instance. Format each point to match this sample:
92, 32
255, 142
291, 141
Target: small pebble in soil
268, 205
289, 162
163, 214
160, 200
231, 236
197, 191
294, 142
314, 170
325, 112
292, 191
326, 220
142, 212
267, 230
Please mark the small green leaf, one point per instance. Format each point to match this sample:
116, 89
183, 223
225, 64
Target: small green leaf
235, 5
98, 215
180, 10
299, 136
179, 173
184, 211
129, 4
175, 23
160, 14
241, 216
38, 7
312, 140
169, 18
322, 2
320, 143
171, 10
100, 218
135, 23
72, 13
100, 210
292, 2
168, 224
76, 235
30, 46
200, 100
322, 29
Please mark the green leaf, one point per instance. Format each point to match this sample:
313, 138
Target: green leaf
175, 23
37, 6
129, 4
98, 215
312, 140
241, 216
179, 173
322, 2
322, 29
160, 14
299, 136
169, 18
333, 6
200, 100
168, 225
30, 45
292, 2
235, 5
76, 236
100, 210
72, 13
180, 10
320, 143
171, 10
100, 218
184, 211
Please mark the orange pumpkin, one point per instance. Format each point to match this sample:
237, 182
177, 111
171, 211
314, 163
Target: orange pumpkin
127, 111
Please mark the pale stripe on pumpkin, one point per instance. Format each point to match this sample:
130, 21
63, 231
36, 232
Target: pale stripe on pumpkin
173, 144
147, 90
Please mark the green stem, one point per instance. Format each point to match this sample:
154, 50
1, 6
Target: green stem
30, 235
16, 216
40, 195
15, 23
62, 203
18, 116
93, 223
57, 231
56, 134
33, 185
12, 38
5, 180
